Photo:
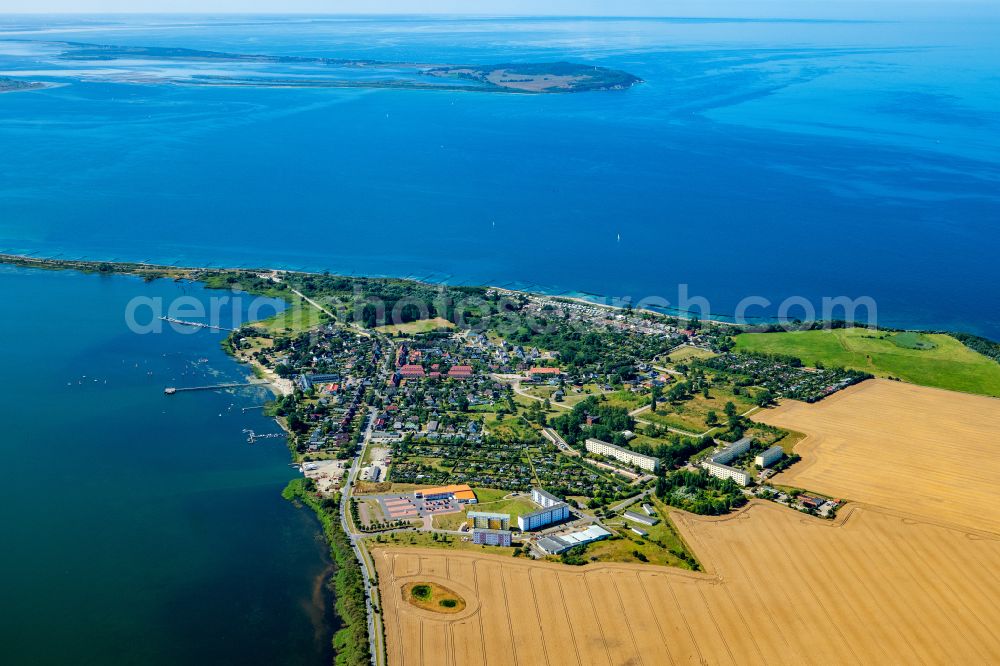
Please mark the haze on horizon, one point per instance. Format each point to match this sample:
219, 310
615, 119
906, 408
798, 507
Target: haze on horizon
848, 9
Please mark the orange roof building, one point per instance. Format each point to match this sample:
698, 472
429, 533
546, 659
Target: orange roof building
545, 371
460, 493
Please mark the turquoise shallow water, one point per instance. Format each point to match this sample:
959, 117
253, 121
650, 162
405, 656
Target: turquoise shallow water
760, 158
140, 528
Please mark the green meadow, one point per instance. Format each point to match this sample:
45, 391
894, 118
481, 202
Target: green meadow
920, 358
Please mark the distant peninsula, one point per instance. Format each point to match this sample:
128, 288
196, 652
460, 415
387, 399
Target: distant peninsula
16, 85
322, 72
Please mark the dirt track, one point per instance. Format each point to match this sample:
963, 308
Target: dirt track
876, 586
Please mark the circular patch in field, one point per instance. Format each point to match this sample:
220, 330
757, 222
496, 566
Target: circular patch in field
434, 597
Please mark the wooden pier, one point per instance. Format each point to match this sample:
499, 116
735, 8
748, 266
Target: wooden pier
196, 324
170, 390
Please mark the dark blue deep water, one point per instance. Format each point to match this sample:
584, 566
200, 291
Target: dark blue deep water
140, 528
767, 158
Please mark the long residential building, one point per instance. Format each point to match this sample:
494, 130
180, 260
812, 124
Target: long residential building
488, 537
489, 521
726, 472
544, 499
626, 456
545, 516
769, 457
733, 451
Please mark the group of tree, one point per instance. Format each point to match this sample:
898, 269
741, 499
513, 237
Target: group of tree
607, 422
699, 492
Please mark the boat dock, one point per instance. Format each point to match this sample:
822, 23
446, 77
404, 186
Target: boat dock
170, 390
196, 324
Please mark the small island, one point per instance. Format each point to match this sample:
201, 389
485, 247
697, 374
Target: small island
323, 72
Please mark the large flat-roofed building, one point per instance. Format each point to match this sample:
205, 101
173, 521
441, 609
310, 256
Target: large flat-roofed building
626, 456
769, 457
726, 472
543, 517
489, 521
491, 537
460, 493
544, 499
640, 518
553, 545
733, 451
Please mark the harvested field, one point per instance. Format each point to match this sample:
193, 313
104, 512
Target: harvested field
922, 451
913, 580
872, 587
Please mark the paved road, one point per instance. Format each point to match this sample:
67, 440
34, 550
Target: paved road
375, 635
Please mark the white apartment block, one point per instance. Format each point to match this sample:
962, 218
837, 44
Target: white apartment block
769, 457
726, 472
544, 499
626, 456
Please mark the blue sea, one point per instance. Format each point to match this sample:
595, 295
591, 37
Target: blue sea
760, 158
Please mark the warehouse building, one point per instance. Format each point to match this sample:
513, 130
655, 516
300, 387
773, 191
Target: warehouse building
640, 518
624, 455
491, 537
554, 545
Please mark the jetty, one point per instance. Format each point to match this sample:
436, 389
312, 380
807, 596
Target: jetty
196, 324
253, 437
170, 390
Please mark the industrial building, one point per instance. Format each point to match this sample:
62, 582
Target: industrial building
554, 545
641, 532
769, 457
640, 518
489, 521
488, 537
624, 455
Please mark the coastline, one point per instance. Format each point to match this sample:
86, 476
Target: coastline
153, 271
351, 637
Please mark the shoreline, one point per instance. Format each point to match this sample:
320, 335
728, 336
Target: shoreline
153, 271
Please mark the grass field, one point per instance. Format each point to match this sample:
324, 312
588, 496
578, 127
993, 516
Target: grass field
911, 448
412, 327
663, 546
780, 589
690, 414
517, 506
299, 316
925, 359
687, 353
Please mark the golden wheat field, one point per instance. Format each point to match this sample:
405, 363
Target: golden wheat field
879, 585
922, 451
